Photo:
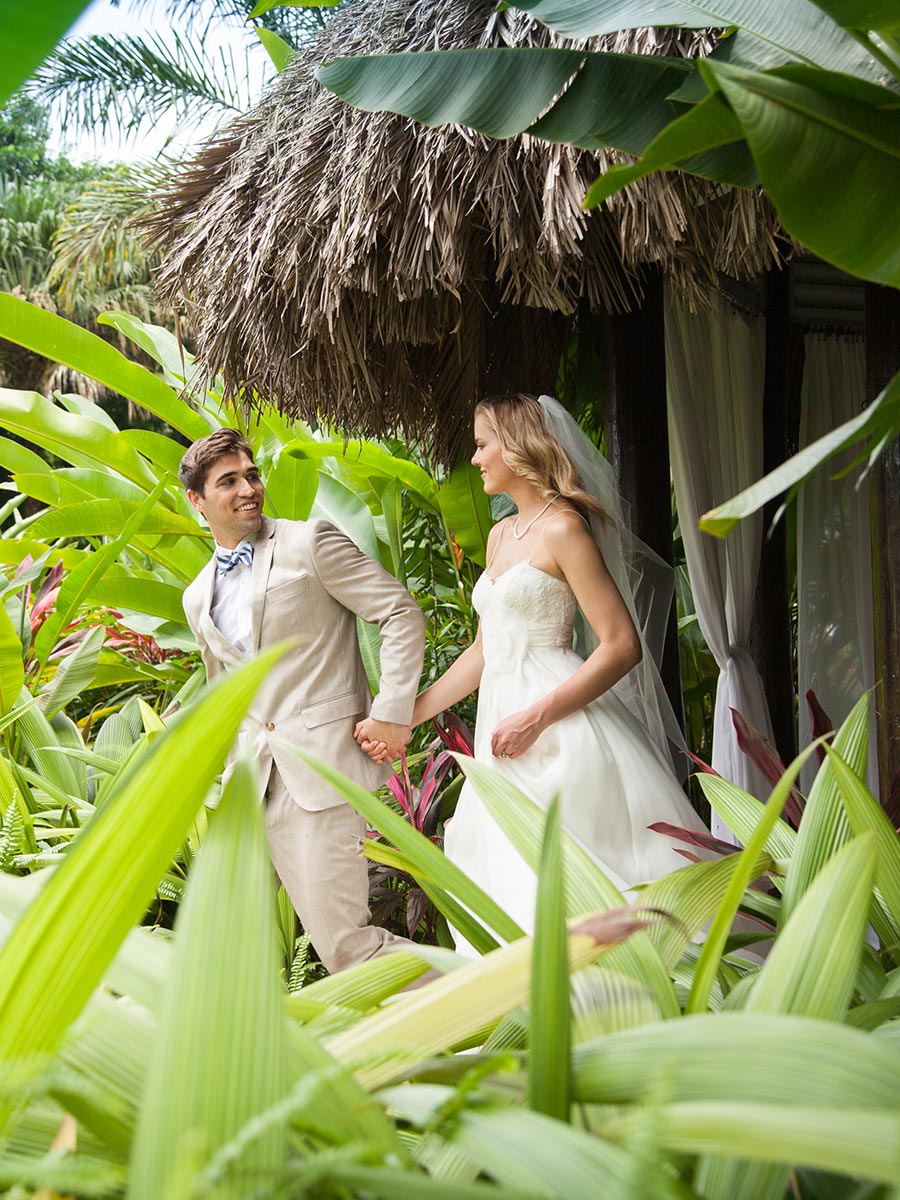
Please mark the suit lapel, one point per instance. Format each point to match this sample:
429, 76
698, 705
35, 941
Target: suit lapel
259, 578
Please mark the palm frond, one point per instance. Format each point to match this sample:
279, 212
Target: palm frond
98, 261
101, 82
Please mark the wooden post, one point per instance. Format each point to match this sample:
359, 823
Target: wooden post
637, 440
882, 363
771, 640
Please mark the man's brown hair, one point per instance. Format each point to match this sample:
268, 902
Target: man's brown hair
201, 455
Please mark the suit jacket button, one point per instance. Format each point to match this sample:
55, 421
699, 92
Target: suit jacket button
269, 726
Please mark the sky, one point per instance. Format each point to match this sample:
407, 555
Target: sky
102, 17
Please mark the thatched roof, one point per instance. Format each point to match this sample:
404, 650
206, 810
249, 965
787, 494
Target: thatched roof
387, 274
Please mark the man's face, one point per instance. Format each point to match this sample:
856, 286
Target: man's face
231, 500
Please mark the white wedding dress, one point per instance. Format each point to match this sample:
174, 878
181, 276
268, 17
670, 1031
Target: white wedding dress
611, 778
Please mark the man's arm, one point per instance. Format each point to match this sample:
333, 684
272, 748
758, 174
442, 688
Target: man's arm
364, 587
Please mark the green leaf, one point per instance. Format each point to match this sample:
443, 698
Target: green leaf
12, 670
879, 422
859, 1144
75, 439
104, 518
264, 6
714, 944
74, 673
140, 594
865, 813
291, 486
551, 1022
466, 510
280, 51
370, 460
112, 869
29, 33
223, 991
825, 828
811, 134
881, 15
77, 586
498, 92
61, 341
707, 126
717, 1056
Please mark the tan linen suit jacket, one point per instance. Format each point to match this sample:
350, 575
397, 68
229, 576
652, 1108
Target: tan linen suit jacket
308, 582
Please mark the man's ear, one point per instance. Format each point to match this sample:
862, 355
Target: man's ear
196, 499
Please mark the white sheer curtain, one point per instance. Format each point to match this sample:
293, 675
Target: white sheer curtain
715, 363
835, 638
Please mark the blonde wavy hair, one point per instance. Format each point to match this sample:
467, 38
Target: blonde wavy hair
531, 450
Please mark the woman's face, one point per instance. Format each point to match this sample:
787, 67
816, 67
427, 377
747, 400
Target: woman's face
488, 458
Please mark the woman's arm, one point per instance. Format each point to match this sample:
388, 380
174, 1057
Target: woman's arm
457, 682
569, 551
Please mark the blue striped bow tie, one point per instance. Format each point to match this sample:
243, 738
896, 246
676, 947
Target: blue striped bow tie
227, 560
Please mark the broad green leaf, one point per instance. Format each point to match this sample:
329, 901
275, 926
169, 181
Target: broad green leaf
714, 944
718, 1056
280, 51
223, 991
117, 590
810, 972
825, 828
112, 869
849, 1142
77, 586
692, 896
466, 510
15, 457
29, 33
865, 813
551, 1023
291, 486
707, 126
499, 92
104, 518
426, 858
881, 15
742, 813
369, 459
881, 420
42, 743
74, 673
87, 408
342, 507
12, 670
263, 6
61, 341
447, 1011
75, 439
162, 451
809, 137
528, 1151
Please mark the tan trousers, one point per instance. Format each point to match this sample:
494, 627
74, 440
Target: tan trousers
318, 858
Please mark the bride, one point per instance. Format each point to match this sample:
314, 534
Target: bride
592, 730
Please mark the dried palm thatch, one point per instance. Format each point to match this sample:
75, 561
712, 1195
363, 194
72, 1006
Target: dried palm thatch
385, 274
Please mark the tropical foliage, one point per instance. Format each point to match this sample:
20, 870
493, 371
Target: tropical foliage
801, 97
623, 1054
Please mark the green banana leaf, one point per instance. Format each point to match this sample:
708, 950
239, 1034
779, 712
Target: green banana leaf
219, 1055
29, 33
12, 669
62, 341
551, 1023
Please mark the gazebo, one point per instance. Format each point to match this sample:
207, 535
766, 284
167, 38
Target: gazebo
389, 275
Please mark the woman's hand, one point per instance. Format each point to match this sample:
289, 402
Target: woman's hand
516, 734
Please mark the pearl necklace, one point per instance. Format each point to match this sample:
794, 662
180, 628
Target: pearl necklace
515, 529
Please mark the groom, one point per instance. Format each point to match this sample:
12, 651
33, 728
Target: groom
272, 580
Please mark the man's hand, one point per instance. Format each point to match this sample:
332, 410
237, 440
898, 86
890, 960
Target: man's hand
381, 740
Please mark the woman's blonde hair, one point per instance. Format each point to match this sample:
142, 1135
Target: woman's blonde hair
531, 450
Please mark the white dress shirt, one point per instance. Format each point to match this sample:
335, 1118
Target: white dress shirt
230, 609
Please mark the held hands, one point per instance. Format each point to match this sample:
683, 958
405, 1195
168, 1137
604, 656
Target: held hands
381, 740
516, 734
